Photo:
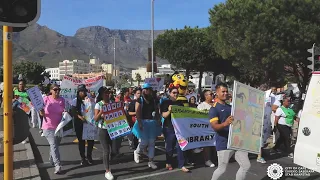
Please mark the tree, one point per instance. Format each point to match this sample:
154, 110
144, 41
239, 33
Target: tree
266, 49
138, 78
109, 83
190, 49
32, 72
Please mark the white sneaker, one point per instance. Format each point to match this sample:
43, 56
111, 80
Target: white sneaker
290, 155
24, 142
136, 156
108, 175
152, 165
198, 150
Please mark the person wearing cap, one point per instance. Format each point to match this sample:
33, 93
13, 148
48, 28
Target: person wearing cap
103, 98
147, 127
78, 114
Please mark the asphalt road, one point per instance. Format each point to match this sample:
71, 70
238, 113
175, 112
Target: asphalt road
126, 168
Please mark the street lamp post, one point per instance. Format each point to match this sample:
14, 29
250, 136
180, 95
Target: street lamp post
152, 37
114, 61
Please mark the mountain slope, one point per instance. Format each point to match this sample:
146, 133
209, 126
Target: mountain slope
41, 44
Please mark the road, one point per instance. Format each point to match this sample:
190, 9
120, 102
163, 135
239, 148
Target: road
125, 168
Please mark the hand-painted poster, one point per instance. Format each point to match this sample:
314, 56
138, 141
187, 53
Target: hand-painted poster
115, 120
248, 111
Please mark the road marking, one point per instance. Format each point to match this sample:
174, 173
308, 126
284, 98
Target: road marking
156, 174
77, 141
160, 148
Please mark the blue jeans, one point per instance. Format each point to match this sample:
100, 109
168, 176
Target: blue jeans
54, 142
171, 142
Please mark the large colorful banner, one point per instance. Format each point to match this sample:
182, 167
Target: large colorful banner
307, 149
115, 120
192, 127
69, 86
248, 111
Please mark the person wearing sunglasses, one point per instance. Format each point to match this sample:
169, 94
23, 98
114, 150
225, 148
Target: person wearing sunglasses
78, 114
54, 106
168, 131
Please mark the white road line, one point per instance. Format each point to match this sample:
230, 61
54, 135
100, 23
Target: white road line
160, 148
155, 174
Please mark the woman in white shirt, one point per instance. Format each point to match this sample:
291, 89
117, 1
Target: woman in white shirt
207, 105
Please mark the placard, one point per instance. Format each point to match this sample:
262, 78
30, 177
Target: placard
90, 132
115, 120
36, 98
245, 132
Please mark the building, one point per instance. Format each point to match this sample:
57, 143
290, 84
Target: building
165, 69
143, 73
206, 82
95, 65
54, 73
76, 66
108, 68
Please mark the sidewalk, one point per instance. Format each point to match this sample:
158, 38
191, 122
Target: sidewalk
24, 162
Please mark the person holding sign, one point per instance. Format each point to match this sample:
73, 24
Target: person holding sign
103, 98
168, 131
54, 106
79, 119
220, 119
147, 127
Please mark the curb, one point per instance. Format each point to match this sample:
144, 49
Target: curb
34, 170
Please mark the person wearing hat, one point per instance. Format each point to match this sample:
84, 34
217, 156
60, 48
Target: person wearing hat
78, 112
147, 126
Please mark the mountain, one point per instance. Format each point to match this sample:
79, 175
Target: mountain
48, 47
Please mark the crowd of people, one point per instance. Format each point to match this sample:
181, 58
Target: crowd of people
149, 115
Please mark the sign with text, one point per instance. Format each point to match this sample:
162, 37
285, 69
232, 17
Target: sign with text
65, 127
115, 120
192, 128
155, 83
90, 132
69, 86
248, 111
36, 98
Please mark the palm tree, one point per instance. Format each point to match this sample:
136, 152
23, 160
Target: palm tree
138, 78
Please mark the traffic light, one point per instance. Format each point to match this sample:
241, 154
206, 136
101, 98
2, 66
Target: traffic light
311, 59
19, 13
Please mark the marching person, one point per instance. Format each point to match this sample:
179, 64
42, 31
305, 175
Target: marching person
147, 126
106, 143
208, 151
78, 114
169, 134
54, 106
133, 141
220, 119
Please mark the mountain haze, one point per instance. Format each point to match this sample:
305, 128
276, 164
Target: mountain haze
42, 44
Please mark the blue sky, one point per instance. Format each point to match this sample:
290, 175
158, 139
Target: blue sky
67, 16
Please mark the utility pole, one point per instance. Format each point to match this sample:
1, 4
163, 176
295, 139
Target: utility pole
152, 37
114, 61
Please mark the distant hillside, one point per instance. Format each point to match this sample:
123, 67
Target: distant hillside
44, 45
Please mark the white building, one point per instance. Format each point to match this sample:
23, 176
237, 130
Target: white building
76, 66
143, 73
207, 79
95, 65
108, 68
54, 73
165, 69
